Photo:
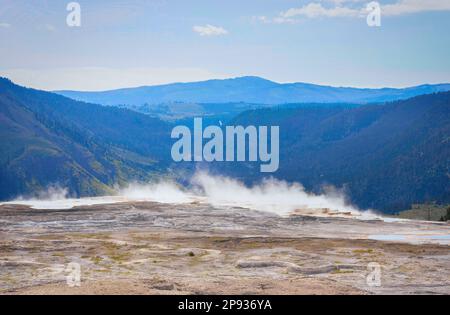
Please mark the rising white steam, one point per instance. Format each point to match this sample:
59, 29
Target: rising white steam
56, 197
270, 195
53, 192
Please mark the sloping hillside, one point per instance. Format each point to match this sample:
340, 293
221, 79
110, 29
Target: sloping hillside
385, 157
48, 139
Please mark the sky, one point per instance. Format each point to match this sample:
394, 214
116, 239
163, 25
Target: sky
147, 42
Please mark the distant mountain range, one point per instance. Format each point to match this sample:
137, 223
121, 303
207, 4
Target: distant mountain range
253, 90
385, 156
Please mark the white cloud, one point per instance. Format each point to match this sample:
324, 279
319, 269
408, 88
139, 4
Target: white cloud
338, 2
210, 30
415, 6
5, 25
275, 20
313, 10
355, 8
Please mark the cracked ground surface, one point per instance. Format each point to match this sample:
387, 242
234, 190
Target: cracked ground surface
152, 248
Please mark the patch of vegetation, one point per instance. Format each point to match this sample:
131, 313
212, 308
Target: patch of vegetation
363, 251
116, 252
58, 254
96, 260
447, 216
427, 212
120, 257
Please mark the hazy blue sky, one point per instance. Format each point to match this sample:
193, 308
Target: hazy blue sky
130, 43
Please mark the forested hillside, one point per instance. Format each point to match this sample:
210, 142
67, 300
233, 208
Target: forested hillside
385, 157
48, 139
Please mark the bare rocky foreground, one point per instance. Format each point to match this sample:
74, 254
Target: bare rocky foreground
152, 248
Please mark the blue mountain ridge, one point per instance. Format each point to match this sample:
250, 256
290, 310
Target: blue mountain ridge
249, 89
